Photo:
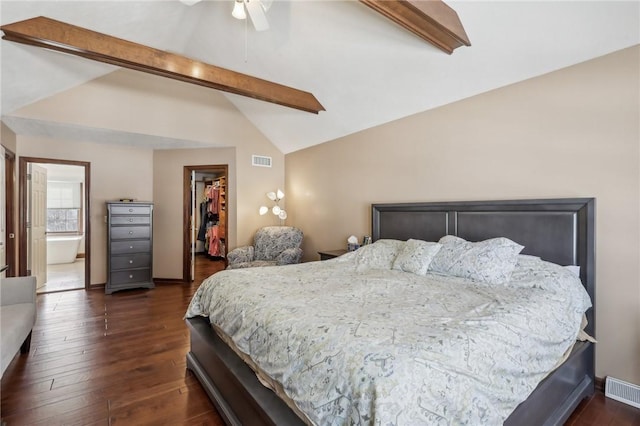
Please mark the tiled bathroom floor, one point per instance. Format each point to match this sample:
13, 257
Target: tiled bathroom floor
64, 276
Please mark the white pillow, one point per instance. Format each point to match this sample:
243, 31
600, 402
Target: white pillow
415, 256
379, 255
574, 269
528, 260
491, 261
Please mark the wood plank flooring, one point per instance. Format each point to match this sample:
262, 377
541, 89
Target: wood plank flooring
119, 359
602, 411
115, 359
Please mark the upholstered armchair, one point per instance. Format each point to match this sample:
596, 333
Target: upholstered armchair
272, 245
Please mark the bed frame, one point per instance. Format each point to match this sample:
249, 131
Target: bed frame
557, 230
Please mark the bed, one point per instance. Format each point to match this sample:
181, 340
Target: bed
559, 231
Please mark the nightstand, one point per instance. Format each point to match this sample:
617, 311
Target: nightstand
330, 254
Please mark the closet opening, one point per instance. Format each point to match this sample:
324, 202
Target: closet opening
205, 221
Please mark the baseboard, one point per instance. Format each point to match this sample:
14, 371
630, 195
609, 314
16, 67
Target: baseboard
156, 281
599, 382
168, 281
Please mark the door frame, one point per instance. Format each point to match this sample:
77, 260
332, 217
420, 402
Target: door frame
22, 211
10, 204
186, 212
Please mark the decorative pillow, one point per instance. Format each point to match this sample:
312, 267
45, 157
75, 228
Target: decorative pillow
415, 256
491, 261
379, 255
528, 260
451, 239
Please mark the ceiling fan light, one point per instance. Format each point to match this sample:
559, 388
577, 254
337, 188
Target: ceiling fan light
238, 10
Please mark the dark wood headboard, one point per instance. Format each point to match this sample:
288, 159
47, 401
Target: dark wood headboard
561, 231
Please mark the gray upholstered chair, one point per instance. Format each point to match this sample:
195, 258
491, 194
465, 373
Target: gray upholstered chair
272, 245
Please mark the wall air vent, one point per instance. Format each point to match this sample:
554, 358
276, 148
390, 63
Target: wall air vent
622, 391
260, 161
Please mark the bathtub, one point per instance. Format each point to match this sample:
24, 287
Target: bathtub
62, 248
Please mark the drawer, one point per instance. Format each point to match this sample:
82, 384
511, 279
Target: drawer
130, 220
139, 260
123, 247
119, 209
130, 232
130, 276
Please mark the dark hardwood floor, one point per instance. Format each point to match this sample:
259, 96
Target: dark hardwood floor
119, 359
600, 410
115, 359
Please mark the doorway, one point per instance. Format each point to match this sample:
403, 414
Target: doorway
55, 231
205, 224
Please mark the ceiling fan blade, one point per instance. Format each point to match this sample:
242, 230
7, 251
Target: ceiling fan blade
256, 12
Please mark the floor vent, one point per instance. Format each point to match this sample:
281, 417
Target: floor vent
622, 391
260, 161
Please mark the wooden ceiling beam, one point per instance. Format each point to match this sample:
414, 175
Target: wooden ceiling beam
60, 36
431, 20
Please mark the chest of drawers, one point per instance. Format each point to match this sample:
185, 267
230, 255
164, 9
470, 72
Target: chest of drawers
129, 246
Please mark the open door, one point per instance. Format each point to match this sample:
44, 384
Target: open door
37, 226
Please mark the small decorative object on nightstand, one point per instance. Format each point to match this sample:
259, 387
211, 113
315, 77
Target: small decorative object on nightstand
330, 254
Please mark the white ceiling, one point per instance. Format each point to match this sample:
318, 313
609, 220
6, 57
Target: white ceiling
365, 70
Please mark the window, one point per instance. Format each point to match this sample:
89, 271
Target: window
64, 206
63, 220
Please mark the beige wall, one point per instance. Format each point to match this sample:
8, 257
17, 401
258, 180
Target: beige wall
168, 169
138, 103
246, 188
571, 133
7, 137
122, 171
116, 172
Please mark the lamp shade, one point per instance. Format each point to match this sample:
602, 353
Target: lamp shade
263, 210
280, 194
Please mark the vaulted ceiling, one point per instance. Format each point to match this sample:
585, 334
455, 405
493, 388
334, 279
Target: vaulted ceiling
364, 69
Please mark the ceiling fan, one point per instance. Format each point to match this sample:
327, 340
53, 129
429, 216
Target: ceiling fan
255, 8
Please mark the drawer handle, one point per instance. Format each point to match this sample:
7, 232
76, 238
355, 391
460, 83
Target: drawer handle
130, 210
131, 247
130, 232
130, 276
131, 261
130, 219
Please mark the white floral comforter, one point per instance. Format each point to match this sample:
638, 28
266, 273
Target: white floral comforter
387, 347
